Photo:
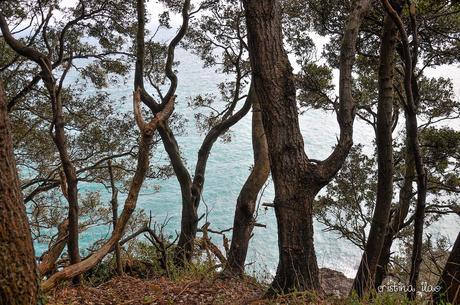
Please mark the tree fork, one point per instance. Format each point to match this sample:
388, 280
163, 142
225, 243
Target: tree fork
296, 179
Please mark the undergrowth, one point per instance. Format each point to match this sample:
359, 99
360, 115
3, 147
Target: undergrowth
143, 261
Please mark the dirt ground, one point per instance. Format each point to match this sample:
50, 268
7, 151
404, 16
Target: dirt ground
124, 290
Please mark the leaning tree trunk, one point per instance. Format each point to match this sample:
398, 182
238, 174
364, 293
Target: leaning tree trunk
449, 283
18, 269
365, 275
244, 221
297, 180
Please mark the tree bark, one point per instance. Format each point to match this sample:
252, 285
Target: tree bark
396, 222
413, 141
449, 281
243, 222
297, 180
18, 269
275, 87
365, 276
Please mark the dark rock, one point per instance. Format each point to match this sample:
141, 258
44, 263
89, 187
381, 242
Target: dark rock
334, 283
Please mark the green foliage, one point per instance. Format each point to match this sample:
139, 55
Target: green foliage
347, 206
316, 88
218, 37
88, 45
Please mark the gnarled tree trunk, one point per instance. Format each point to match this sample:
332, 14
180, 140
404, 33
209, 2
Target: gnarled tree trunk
297, 180
190, 189
18, 269
244, 221
365, 277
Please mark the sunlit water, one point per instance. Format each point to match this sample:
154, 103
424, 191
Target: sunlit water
228, 168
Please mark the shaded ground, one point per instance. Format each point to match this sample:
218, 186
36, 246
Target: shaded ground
126, 290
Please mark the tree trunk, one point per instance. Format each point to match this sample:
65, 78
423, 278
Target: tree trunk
365, 276
449, 282
397, 220
71, 193
243, 222
114, 204
413, 143
189, 221
190, 190
275, 87
18, 269
297, 180
419, 221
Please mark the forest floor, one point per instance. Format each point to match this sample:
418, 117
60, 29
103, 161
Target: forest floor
210, 289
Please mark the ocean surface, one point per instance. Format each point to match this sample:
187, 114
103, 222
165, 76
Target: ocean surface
228, 168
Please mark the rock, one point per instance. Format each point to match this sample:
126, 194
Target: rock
334, 282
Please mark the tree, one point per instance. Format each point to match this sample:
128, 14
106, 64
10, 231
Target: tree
18, 276
204, 41
436, 104
364, 279
297, 179
55, 46
409, 59
57, 132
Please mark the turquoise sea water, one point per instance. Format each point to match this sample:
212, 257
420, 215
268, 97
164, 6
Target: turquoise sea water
227, 170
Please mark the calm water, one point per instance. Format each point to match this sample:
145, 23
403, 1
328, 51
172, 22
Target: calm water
228, 168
